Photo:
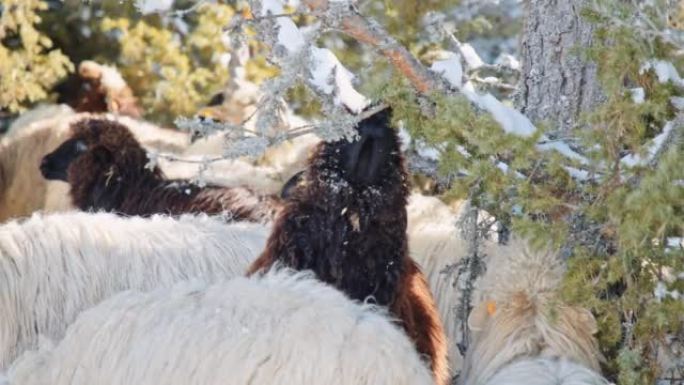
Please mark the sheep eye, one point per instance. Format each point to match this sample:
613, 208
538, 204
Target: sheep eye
81, 147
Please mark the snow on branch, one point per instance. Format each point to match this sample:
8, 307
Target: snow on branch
368, 31
345, 16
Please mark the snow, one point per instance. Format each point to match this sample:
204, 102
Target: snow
151, 6
652, 148
508, 60
510, 119
289, 35
577, 174
450, 68
404, 137
675, 242
562, 148
665, 71
660, 291
471, 57
677, 102
427, 152
638, 95
325, 66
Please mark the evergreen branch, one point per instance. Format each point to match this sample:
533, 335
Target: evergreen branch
368, 31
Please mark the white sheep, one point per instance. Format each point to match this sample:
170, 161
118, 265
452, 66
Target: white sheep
435, 242
546, 371
278, 329
520, 325
54, 266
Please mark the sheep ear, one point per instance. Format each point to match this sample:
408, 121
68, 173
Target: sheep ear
480, 314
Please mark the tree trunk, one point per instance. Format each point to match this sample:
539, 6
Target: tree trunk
556, 84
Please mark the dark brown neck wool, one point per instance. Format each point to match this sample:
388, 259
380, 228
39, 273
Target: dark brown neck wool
112, 176
352, 234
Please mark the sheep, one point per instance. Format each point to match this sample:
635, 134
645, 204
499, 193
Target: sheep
99, 88
346, 221
23, 190
546, 371
278, 329
435, 244
225, 172
106, 169
38, 113
520, 323
54, 266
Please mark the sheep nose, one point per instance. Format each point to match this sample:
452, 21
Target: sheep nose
45, 166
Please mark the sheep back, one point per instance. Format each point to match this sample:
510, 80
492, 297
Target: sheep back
275, 329
54, 266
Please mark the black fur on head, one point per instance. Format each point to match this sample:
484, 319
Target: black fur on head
101, 161
345, 218
54, 165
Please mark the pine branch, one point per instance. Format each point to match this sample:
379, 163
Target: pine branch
368, 31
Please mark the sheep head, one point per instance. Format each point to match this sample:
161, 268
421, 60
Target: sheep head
99, 155
345, 216
527, 327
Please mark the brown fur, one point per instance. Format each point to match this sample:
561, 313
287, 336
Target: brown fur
87, 92
353, 236
111, 175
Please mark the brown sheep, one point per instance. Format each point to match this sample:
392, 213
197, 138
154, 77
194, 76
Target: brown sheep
346, 220
106, 169
99, 88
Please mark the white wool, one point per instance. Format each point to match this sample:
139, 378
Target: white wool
289, 157
54, 266
516, 267
280, 329
544, 371
40, 112
226, 172
265, 174
436, 244
152, 136
519, 318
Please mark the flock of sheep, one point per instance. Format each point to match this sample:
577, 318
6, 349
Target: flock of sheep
114, 272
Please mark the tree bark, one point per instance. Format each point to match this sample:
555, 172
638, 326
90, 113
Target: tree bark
557, 85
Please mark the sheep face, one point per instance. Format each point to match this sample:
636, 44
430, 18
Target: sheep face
368, 160
55, 164
97, 161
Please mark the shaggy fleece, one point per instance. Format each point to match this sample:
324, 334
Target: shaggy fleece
281, 328
52, 267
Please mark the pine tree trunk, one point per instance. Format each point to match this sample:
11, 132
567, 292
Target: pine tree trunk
556, 84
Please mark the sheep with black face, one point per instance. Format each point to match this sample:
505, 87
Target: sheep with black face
345, 219
107, 170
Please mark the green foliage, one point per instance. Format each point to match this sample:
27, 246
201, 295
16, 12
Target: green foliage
28, 65
172, 77
615, 225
